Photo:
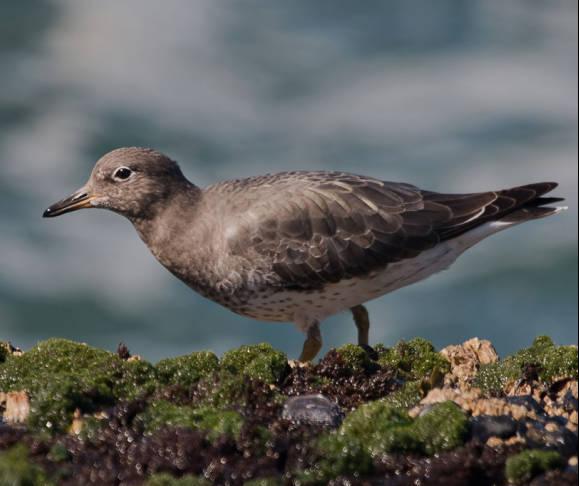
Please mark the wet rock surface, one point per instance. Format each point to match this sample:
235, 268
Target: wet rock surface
404, 415
483, 427
313, 410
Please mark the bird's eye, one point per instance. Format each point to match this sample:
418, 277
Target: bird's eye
122, 174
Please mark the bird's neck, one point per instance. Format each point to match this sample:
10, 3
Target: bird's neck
177, 236
173, 212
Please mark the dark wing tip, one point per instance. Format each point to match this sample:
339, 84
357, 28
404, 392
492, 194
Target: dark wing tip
539, 187
545, 201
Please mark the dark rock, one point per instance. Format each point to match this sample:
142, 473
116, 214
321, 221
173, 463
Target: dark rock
556, 477
570, 403
559, 421
540, 436
123, 351
526, 401
370, 351
484, 427
314, 410
531, 372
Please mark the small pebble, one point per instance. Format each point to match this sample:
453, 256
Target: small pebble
313, 410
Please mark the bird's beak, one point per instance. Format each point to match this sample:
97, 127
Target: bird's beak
79, 200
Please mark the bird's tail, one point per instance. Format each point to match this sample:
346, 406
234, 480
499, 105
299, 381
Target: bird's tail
530, 203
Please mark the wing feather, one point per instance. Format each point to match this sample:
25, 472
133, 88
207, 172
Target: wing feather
320, 227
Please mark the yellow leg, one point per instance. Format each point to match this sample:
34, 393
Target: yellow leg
313, 344
362, 321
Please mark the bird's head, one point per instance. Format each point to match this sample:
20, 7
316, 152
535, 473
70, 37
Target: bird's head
131, 181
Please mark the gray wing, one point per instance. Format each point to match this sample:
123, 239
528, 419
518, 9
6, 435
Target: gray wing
315, 228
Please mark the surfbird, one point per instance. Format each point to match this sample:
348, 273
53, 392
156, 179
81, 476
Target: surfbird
298, 246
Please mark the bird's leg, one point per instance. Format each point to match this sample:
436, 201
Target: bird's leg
362, 321
313, 343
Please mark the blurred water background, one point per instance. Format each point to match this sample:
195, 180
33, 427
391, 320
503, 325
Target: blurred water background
451, 95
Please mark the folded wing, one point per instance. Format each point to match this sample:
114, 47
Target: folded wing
316, 228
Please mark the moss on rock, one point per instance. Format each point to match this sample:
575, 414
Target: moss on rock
215, 422
378, 428
341, 457
62, 376
354, 357
407, 397
258, 362
526, 465
17, 470
444, 428
381, 427
187, 370
415, 359
384, 428
551, 361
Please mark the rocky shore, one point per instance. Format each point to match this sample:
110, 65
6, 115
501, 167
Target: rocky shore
72, 414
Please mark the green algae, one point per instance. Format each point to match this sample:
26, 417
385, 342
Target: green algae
354, 357
444, 428
384, 428
341, 457
165, 479
62, 376
378, 428
407, 397
258, 362
187, 370
415, 359
528, 464
17, 470
215, 422
552, 362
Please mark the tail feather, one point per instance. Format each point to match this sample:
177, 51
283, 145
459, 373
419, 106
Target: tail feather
544, 201
534, 208
508, 206
530, 212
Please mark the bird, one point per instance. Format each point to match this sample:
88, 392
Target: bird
298, 246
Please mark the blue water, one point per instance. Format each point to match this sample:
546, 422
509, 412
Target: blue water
449, 95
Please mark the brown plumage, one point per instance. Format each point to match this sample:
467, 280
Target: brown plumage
298, 246
324, 227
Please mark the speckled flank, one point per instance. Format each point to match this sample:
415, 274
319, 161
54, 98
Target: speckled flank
286, 306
